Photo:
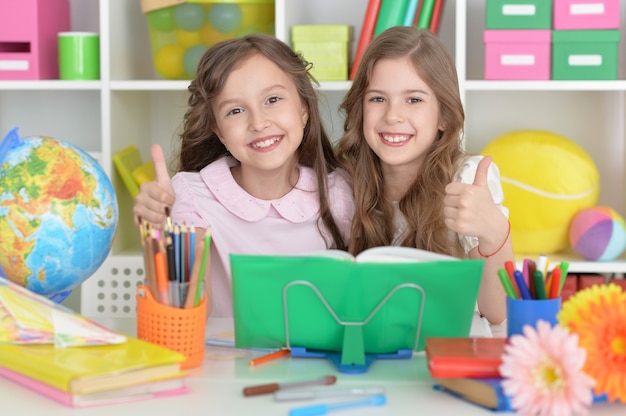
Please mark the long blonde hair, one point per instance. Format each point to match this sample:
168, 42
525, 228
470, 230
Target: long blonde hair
422, 205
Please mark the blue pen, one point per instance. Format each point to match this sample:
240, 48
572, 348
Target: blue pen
322, 409
521, 285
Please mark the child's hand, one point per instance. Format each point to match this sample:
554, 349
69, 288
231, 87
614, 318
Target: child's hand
156, 195
469, 209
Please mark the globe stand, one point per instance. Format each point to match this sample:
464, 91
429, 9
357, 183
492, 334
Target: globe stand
60, 296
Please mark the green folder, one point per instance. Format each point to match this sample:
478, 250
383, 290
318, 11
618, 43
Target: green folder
332, 304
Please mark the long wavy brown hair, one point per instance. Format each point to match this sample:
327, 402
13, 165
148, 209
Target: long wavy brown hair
200, 145
422, 205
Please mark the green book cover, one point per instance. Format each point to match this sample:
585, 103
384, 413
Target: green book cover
391, 13
425, 14
306, 301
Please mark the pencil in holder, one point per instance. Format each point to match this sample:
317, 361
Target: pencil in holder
179, 329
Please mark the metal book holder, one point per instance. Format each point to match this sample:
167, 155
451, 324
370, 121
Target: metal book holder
352, 357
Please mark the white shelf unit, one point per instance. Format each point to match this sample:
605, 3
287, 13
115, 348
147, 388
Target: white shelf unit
131, 105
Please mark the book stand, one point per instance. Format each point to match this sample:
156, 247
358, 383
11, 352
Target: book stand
352, 359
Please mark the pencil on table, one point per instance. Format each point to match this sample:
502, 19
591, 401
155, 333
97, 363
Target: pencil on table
269, 357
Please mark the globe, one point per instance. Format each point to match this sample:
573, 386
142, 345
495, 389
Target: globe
58, 214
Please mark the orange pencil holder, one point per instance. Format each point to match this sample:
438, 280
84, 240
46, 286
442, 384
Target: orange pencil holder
179, 329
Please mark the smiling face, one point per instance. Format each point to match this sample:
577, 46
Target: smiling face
260, 117
400, 115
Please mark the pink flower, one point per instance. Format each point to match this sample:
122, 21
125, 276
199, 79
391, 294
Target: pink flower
543, 372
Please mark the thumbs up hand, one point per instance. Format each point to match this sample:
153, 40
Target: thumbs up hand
469, 209
156, 195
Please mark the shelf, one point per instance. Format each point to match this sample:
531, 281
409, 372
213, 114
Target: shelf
50, 85
579, 265
149, 85
483, 85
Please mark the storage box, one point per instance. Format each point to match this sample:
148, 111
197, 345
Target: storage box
326, 47
586, 14
518, 14
182, 30
28, 38
584, 54
517, 54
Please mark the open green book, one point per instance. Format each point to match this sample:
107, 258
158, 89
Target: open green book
387, 299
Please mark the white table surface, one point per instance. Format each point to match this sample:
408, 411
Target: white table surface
217, 388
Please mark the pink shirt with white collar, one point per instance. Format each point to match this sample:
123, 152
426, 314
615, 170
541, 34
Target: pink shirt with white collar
243, 224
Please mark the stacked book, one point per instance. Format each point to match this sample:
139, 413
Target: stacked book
62, 355
467, 368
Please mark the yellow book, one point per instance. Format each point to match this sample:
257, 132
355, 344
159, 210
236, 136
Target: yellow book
82, 370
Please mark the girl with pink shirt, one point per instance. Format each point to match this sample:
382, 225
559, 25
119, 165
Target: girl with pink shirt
255, 163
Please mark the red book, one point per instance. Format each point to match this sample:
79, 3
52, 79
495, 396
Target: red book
436, 17
367, 33
464, 357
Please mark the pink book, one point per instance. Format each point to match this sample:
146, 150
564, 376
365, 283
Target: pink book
153, 390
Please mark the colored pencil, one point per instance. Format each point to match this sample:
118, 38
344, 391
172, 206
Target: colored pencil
269, 357
160, 265
203, 266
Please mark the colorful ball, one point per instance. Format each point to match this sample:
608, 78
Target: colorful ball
598, 233
168, 62
210, 36
189, 16
546, 179
225, 18
192, 57
162, 19
187, 39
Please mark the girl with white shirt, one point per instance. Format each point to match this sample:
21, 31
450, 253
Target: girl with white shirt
413, 184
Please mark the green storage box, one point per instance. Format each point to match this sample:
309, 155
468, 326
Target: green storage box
584, 54
518, 14
326, 47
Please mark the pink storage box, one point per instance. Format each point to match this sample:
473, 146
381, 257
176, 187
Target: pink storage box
28, 37
517, 54
586, 14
